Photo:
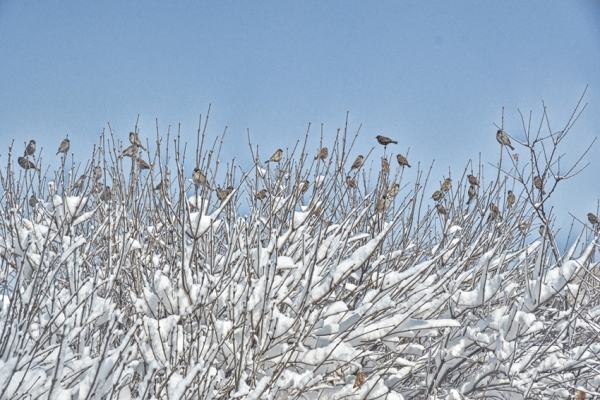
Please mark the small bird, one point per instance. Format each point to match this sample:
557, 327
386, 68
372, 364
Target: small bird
542, 230
225, 192
437, 195
221, 193
357, 163
33, 201
97, 173
402, 160
351, 182
261, 195
510, 199
97, 188
141, 164
393, 192
130, 151
276, 157
322, 154
385, 165
472, 194
64, 147
106, 194
537, 182
380, 205
593, 219
473, 180
198, 178
79, 182
26, 164
441, 209
446, 185
503, 139
516, 157
523, 227
304, 186
385, 140
135, 140
30, 149
496, 211
492, 217
162, 185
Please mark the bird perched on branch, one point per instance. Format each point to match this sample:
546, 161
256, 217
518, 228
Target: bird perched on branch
26, 164
523, 227
33, 201
542, 230
79, 182
394, 190
385, 165
472, 194
380, 205
261, 195
351, 182
446, 185
384, 140
503, 139
402, 160
593, 219
473, 180
495, 210
64, 147
162, 185
276, 157
357, 163
30, 149
510, 199
141, 164
304, 186
97, 173
537, 182
135, 140
437, 195
441, 209
130, 151
106, 194
223, 193
198, 178
322, 154
97, 188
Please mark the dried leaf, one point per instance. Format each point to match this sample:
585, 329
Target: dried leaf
360, 379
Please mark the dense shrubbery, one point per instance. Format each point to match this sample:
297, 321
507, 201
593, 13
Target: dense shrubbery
132, 292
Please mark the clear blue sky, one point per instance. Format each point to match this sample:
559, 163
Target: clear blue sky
433, 75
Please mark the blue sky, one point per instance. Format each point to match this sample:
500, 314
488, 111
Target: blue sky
433, 75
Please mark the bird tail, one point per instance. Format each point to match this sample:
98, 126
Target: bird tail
394, 141
512, 148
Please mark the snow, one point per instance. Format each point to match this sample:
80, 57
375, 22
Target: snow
295, 299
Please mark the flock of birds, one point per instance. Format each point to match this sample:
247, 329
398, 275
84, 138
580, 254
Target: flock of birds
200, 179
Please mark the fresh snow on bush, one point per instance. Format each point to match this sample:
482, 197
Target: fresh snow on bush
308, 294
